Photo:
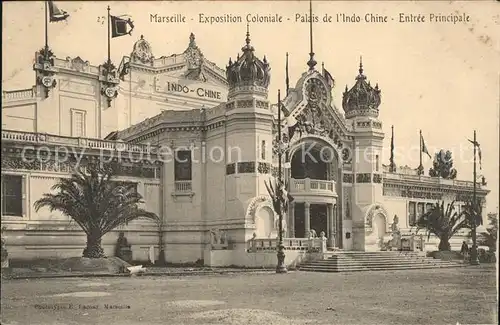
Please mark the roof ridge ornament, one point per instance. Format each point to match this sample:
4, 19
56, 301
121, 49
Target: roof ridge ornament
142, 52
247, 69
195, 59
362, 99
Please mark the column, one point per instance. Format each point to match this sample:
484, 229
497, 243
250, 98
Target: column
291, 220
307, 221
331, 226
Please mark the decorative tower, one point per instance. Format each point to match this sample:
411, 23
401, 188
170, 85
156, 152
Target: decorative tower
361, 105
248, 142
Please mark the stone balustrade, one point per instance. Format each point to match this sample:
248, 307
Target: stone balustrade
98, 144
19, 94
312, 186
183, 186
317, 244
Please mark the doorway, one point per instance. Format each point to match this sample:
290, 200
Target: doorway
319, 219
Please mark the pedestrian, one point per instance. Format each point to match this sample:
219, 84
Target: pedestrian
465, 250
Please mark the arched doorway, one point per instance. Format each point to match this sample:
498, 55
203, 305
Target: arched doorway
264, 222
379, 225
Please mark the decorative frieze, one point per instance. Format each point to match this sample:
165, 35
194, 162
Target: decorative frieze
248, 103
264, 168
230, 169
69, 165
246, 167
377, 178
261, 104
230, 105
421, 194
347, 178
363, 178
363, 124
347, 204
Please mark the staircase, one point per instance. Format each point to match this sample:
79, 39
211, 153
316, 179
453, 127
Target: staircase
374, 261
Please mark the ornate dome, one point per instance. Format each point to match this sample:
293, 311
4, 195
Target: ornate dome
362, 99
142, 52
248, 70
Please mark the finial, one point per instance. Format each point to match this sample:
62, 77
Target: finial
230, 62
192, 42
311, 63
142, 36
360, 64
248, 34
264, 60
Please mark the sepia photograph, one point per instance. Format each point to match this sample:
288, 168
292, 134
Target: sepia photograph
241, 162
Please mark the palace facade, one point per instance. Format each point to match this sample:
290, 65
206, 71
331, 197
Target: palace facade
200, 141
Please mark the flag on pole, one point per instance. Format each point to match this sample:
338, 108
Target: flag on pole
55, 13
424, 147
292, 124
476, 144
329, 79
121, 27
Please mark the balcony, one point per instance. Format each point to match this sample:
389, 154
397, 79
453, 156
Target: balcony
307, 188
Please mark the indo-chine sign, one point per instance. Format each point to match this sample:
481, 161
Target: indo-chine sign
191, 88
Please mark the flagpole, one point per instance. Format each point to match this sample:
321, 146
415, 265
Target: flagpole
109, 36
392, 165
46, 54
311, 63
421, 148
473, 254
280, 268
287, 81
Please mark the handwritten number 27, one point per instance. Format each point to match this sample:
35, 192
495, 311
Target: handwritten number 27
101, 19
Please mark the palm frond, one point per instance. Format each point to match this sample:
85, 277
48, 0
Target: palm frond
94, 201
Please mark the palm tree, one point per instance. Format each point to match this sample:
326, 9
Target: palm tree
96, 203
490, 236
443, 223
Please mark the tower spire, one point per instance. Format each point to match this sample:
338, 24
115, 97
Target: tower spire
311, 63
360, 64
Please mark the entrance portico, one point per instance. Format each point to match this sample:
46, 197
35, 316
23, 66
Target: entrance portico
312, 178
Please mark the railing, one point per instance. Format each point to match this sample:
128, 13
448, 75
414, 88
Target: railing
430, 180
312, 185
19, 94
183, 186
317, 244
37, 138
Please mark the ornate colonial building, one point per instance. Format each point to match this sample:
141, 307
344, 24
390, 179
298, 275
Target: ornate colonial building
200, 141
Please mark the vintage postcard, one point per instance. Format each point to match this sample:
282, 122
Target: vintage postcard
250, 162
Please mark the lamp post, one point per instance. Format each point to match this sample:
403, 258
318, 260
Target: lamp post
473, 254
281, 267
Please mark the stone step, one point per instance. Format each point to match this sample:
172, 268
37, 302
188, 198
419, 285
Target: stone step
381, 254
402, 258
360, 269
368, 263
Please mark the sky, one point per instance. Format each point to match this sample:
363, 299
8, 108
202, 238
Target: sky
441, 78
